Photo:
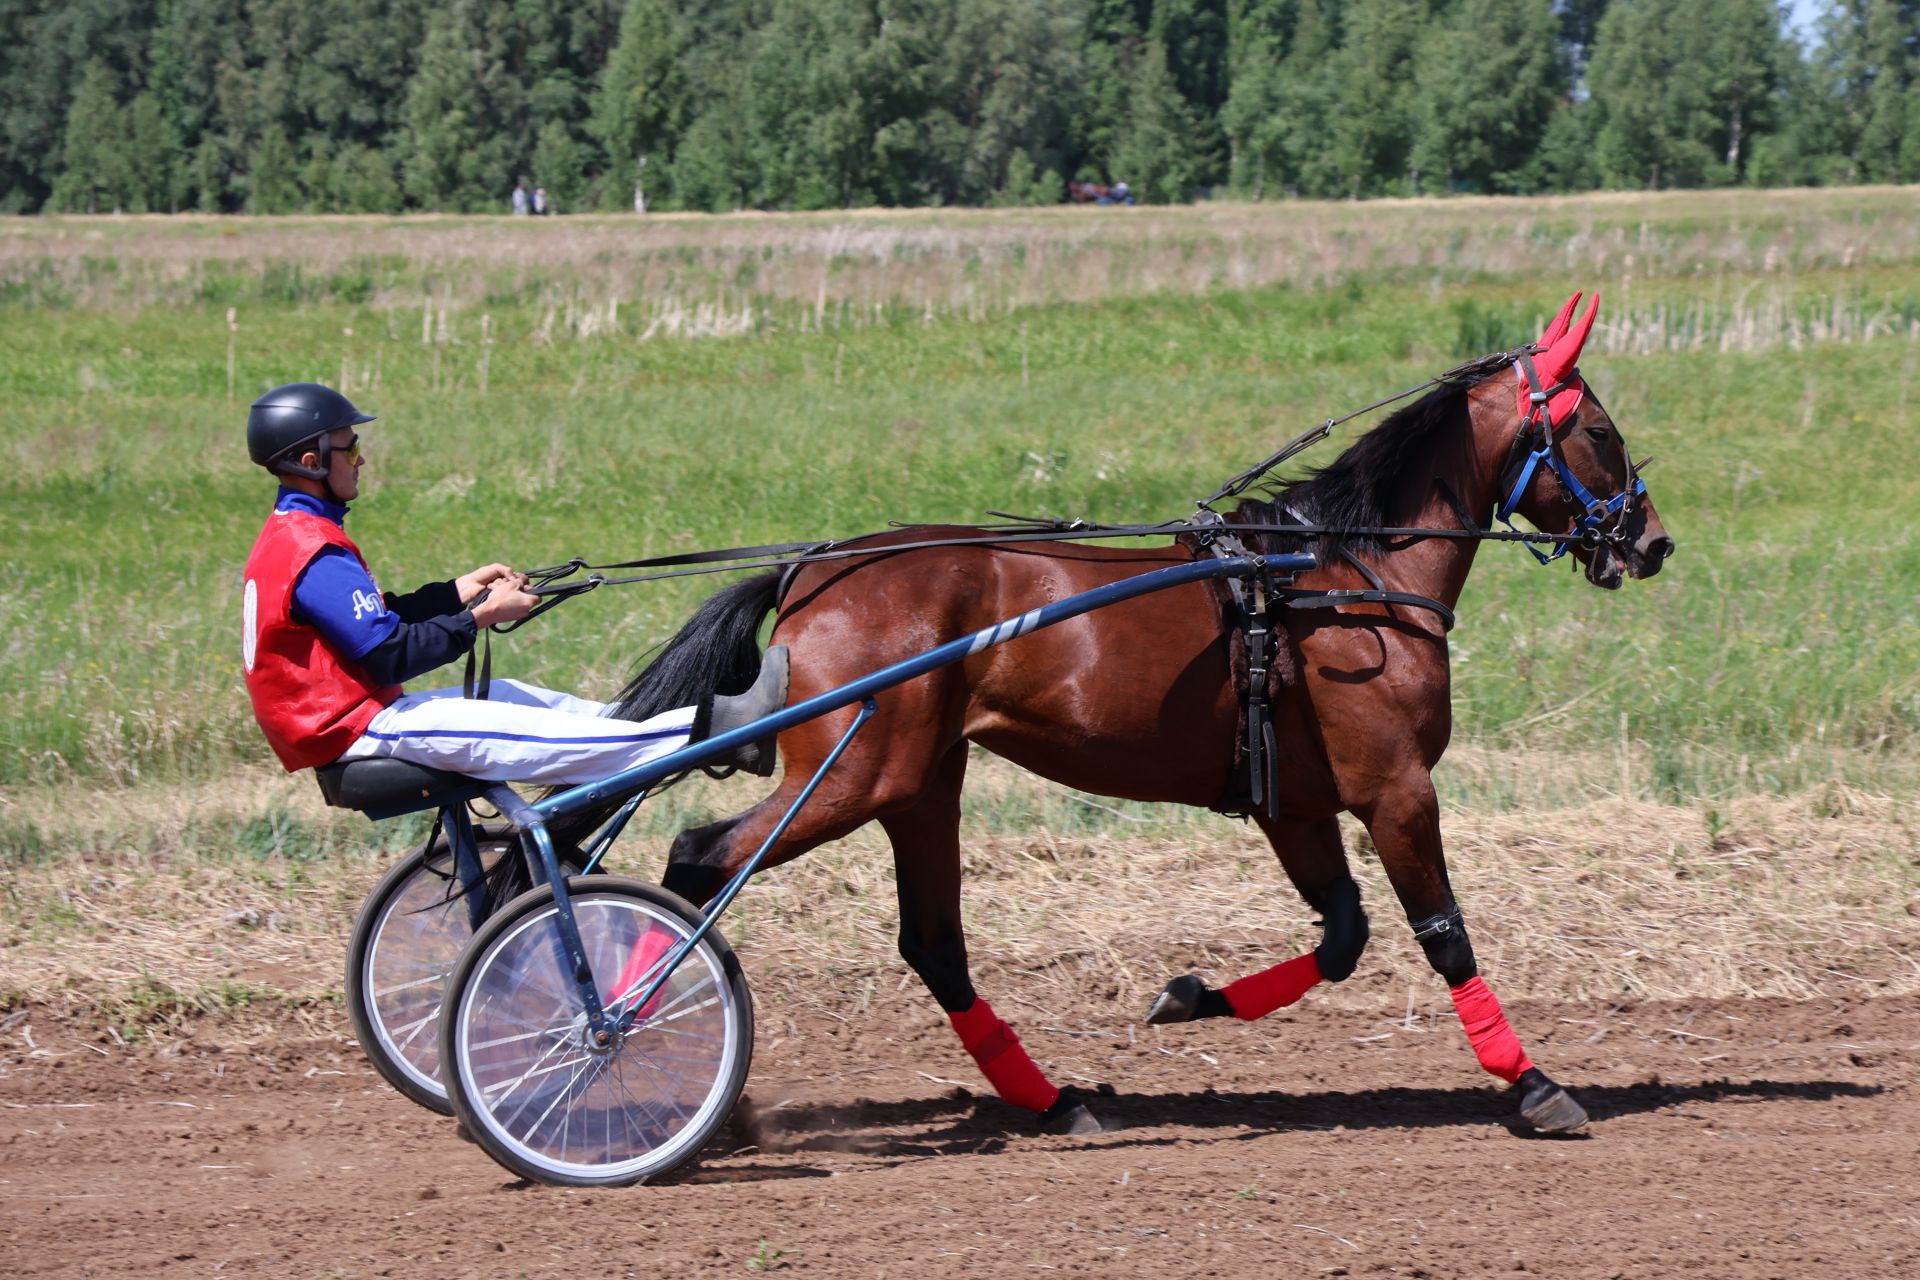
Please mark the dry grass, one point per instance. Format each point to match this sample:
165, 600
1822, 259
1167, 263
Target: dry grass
136, 922
702, 274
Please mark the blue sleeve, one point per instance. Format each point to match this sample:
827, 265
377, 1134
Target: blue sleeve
337, 596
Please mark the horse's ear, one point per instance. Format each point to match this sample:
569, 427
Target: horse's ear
1564, 353
1558, 329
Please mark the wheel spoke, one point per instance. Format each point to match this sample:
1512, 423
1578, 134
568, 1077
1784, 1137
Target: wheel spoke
558, 1109
384, 992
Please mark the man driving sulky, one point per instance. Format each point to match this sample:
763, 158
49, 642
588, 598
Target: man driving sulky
327, 652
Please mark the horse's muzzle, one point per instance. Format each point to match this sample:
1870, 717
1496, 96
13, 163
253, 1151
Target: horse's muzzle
1646, 558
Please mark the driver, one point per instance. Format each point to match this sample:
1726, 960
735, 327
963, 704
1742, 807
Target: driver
326, 652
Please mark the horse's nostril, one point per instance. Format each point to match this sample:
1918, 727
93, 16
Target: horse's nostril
1659, 549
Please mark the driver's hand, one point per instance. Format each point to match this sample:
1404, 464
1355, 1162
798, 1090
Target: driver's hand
505, 599
472, 584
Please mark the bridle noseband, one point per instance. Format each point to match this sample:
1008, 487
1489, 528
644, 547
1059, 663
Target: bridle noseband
1535, 445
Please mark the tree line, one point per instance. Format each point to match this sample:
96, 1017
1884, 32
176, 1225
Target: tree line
279, 106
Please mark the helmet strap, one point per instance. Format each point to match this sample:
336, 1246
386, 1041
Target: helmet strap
291, 465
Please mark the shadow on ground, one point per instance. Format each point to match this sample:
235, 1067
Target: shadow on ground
960, 1123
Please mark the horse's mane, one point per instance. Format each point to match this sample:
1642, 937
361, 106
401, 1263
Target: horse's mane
1380, 479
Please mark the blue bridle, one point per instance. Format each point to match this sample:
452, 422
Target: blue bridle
1599, 520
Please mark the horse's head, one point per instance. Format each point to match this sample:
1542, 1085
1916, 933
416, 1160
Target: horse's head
1567, 469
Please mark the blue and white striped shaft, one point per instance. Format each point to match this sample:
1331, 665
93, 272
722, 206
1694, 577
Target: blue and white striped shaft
645, 775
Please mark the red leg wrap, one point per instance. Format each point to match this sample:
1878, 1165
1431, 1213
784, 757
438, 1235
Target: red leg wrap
1487, 1031
1005, 1064
1259, 994
636, 973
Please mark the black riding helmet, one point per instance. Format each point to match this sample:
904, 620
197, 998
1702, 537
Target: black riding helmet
282, 422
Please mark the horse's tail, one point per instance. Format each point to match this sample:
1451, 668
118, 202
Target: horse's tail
716, 652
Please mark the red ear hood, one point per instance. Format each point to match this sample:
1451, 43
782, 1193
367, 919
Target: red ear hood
1559, 352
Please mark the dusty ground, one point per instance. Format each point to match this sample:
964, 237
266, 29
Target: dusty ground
1776, 1135
1741, 1138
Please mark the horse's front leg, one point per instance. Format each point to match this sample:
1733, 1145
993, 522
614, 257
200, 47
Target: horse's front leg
1314, 859
1404, 821
926, 860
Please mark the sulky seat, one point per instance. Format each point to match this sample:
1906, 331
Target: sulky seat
385, 788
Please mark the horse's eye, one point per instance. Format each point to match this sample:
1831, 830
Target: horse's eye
1597, 434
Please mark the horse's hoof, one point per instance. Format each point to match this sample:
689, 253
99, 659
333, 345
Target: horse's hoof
1179, 1002
1074, 1119
1548, 1107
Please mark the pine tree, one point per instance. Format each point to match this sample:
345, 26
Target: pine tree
641, 108
1910, 144
157, 173
1482, 107
1564, 159
1154, 152
1890, 31
319, 177
1115, 37
442, 138
1027, 185
50, 45
1370, 126
1309, 99
1678, 87
1253, 115
272, 186
364, 181
712, 169
209, 176
1164, 150
96, 175
1739, 60
557, 167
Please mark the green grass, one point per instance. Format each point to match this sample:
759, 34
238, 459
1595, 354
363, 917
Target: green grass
1779, 649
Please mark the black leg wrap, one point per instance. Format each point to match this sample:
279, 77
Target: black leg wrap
696, 861
943, 967
1346, 932
1444, 939
693, 881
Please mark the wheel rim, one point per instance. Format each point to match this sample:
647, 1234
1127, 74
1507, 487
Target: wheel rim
417, 941
531, 1079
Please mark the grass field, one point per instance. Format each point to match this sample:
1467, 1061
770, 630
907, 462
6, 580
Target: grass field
618, 388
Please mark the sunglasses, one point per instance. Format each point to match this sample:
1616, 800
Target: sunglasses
350, 451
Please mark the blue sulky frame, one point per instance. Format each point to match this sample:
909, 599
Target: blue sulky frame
605, 1020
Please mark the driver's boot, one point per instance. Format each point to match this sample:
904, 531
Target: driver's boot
768, 695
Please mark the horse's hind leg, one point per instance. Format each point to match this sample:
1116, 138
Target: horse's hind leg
926, 859
1405, 825
1311, 852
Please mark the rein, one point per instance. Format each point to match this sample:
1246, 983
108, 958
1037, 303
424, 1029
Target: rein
551, 583
1601, 522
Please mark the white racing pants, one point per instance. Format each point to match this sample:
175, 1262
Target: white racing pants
520, 733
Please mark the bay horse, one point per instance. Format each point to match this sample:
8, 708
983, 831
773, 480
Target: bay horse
1138, 700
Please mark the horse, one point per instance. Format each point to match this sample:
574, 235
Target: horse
1139, 701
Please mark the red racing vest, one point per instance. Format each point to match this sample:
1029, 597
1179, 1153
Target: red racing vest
310, 703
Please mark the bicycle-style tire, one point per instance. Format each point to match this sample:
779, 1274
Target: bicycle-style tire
407, 937
520, 1069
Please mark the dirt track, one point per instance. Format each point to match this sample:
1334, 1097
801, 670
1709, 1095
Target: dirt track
1741, 1139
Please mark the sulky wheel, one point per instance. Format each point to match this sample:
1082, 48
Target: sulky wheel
528, 1079
407, 938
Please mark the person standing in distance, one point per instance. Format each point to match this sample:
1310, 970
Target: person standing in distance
327, 652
